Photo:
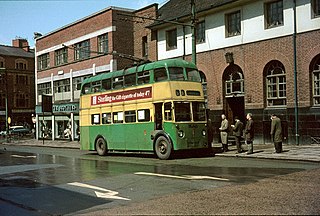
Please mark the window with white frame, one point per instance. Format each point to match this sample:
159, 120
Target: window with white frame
233, 21
61, 56
77, 81
274, 14
43, 61
315, 4
44, 88
316, 81
200, 32
276, 84
171, 38
82, 50
61, 86
103, 43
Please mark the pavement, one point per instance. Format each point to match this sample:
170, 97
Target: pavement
308, 153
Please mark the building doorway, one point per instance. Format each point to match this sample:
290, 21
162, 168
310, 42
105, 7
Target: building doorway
234, 93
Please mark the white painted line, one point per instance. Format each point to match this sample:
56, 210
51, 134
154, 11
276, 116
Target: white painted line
108, 194
21, 156
187, 177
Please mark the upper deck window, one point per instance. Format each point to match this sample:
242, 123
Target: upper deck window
193, 75
86, 88
176, 73
106, 84
160, 74
117, 82
143, 77
130, 80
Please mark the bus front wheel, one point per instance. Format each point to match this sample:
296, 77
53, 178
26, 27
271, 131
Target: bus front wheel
163, 148
101, 146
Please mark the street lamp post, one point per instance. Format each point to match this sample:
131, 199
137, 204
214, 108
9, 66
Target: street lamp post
6, 100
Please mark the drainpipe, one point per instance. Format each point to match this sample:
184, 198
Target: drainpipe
193, 31
295, 71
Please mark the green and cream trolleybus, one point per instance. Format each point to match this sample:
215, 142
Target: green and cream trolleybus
155, 107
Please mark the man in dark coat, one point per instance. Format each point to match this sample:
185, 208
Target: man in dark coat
276, 133
237, 132
249, 133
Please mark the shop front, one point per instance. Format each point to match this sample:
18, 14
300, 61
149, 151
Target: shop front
61, 124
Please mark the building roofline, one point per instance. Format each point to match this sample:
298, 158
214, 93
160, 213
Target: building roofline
85, 18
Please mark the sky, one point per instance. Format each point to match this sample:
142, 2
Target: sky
20, 19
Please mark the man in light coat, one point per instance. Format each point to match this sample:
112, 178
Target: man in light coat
224, 133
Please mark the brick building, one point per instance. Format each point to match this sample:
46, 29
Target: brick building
17, 83
246, 52
89, 46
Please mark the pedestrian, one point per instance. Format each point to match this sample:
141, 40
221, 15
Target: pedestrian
224, 133
249, 133
78, 132
276, 133
237, 132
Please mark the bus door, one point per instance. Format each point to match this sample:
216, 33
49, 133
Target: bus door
158, 116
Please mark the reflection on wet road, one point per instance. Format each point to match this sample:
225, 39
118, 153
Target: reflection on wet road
67, 182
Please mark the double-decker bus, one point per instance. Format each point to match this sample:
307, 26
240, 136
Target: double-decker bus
155, 107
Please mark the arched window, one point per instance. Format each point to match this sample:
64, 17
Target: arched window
21, 64
234, 81
204, 87
315, 69
275, 84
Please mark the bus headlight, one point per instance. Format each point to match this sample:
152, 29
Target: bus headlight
180, 133
204, 132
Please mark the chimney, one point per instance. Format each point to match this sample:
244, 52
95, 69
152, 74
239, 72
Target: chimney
21, 43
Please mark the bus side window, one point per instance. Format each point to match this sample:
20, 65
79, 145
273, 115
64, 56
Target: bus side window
143, 77
118, 117
86, 88
95, 119
117, 82
168, 111
96, 86
160, 74
106, 84
130, 80
176, 73
130, 116
106, 118
144, 115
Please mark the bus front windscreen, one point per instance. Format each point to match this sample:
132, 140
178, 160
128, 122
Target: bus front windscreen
183, 111
199, 111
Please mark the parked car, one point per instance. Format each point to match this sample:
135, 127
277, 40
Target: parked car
3, 133
19, 130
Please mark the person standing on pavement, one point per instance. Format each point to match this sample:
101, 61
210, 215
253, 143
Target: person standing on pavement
224, 133
237, 132
249, 133
276, 133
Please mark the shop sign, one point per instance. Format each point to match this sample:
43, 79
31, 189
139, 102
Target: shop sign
65, 108
136, 94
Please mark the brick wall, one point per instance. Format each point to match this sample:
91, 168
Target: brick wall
252, 59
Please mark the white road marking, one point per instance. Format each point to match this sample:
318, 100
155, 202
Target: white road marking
108, 194
187, 177
21, 156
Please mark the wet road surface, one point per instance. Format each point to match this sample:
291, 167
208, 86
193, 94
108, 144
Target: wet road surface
45, 181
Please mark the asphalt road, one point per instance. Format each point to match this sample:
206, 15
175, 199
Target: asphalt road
49, 181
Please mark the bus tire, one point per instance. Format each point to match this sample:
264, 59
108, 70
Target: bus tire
163, 148
101, 146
